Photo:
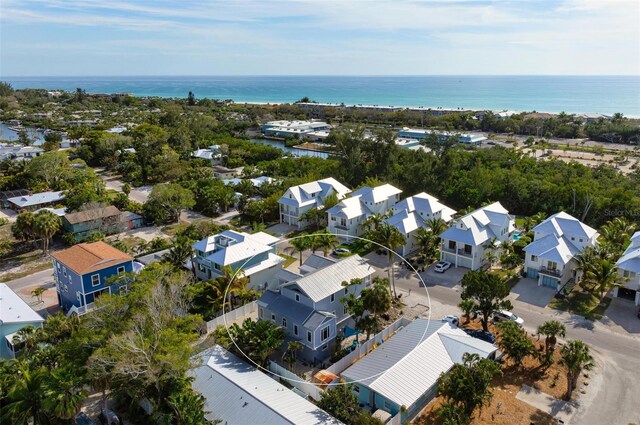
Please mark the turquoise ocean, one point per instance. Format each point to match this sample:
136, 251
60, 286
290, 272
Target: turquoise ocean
571, 94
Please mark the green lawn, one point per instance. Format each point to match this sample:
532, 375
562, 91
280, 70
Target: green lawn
358, 246
288, 260
586, 305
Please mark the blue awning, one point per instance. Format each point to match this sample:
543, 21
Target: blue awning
350, 332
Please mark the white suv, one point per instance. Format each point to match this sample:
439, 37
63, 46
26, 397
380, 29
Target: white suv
503, 315
441, 266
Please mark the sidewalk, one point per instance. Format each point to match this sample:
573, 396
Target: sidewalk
559, 409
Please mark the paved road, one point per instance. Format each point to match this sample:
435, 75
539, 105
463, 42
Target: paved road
38, 278
615, 399
138, 194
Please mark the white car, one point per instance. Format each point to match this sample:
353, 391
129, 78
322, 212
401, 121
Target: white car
454, 320
503, 315
441, 266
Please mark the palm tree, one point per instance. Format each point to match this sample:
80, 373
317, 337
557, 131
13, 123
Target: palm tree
551, 329
575, 357
46, 224
38, 293
233, 282
437, 226
292, 348
602, 277
389, 237
426, 239
372, 222
326, 242
64, 394
615, 234
28, 338
26, 397
179, 253
300, 244
467, 306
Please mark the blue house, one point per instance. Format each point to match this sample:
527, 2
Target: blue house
85, 271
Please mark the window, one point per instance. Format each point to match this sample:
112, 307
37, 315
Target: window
467, 249
343, 221
260, 313
58, 264
273, 317
387, 405
534, 258
124, 289
344, 309
309, 336
580, 239
325, 334
95, 280
356, 389
324, 347
452, 244
298, 297
552, 265
284, 322
64, 271
346, 289
295, 330
333, 297
120, 269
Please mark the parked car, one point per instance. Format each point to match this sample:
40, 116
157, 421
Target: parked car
483, 335
442, 266
638, 312
108, 417
503, 315
454, 320
340, 251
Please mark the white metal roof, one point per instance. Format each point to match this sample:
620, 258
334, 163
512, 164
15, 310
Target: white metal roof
630, 260
36, 199
426, 204
240, 246
14, 310
314, 192
238, 394
562, 223
376, 194
408, 365
477, 224
324, 282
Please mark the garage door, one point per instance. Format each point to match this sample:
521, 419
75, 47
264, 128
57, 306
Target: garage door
532, 273
549, 282
627, 293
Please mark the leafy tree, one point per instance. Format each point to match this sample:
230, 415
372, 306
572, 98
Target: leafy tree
45, 225
342, 403
376, 299
256, 339
26, 397
50, 168
191, 99
300, 244
468, 385
551, 329
615, 235
5, 89
64, 394
488, 291
179, 253
187, 408
601, 277
389, 237
576, 356
24, 138
23, 229
166, 202
514, 341
52, 142
452, 414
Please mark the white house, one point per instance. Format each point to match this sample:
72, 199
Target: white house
465, 242
412, 213
254, 254
236, 393
212, 154
15, 314
347, 217
556, 242
629, 269
299, 199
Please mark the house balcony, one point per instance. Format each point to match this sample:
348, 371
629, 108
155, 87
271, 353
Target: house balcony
459, 251
550, 272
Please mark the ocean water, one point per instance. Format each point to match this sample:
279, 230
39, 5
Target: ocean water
572, 94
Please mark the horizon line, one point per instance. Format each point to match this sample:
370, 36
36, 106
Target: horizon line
317, 75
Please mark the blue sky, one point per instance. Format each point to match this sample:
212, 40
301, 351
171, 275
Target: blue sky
323, 37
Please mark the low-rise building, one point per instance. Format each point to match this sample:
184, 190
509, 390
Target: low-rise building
7, 194
557, 240
254, 254
309, 307
236, 393
221, 172
465, 243
15, 314
421, 133
297, 200
290, 129
83, 224
35, 201
87, 271
401, 374
19, 152
211, 154
348, 216
629, 269
413, 213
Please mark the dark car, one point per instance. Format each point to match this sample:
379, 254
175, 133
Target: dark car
483, 335
83, 419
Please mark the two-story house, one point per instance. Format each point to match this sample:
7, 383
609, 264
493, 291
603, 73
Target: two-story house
414, 212
629, 269
297, 200
309, 307
83, 224
464, 243
86, 271
348, 216
557, 240
254, 254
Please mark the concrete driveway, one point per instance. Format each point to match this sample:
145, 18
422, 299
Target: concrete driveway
622, 313
449, 278
528, 291
281, 229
